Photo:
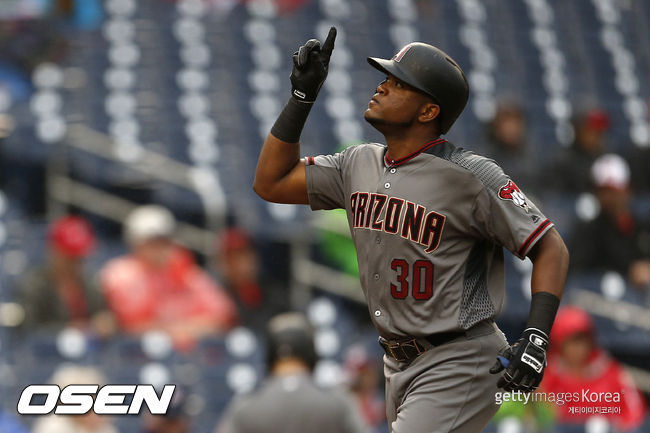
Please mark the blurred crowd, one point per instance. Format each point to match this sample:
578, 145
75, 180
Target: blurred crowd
159, 284
156, 285
611, 235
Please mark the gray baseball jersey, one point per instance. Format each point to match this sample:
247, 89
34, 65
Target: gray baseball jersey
429, 230
292, 404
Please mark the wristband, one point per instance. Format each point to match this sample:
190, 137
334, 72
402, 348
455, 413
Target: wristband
543, 307
291, 120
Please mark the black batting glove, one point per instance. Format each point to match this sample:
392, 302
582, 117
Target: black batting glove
524, 362
310, 64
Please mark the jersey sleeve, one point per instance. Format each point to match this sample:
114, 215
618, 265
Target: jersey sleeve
325, 181
505, 215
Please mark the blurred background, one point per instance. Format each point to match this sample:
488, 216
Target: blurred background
133, 247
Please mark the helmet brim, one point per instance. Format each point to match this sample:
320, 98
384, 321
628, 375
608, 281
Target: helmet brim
382, 65
392, 67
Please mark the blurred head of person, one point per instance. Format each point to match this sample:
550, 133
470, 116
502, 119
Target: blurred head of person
73, 374
611, 177
149, 231
176, 420
70, 240
238, 258
590, 126
361, 370
239, 264
573, 337
508, 127
290, 344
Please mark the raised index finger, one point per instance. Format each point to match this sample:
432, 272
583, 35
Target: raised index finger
328, 46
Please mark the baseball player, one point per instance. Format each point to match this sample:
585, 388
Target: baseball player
429, 221
289, 401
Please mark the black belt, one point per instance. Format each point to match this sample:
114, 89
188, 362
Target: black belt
411, 348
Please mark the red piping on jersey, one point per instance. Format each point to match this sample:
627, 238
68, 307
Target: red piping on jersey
532, 237
310, 160
395, 162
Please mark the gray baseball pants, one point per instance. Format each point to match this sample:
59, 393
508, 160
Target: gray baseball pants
448, 388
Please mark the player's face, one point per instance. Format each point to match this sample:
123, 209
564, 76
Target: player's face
395, 104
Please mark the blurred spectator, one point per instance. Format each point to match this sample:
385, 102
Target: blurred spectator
573, 165
58, 294
507, 145
615, 239
176, 420
576, 363
363, 379
289, 401
159, 286
258, 299
88, 423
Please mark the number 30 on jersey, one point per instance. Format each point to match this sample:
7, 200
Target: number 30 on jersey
419, 275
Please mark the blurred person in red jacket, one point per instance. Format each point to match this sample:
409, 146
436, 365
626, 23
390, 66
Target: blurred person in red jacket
159, 286
577, 365
58, 293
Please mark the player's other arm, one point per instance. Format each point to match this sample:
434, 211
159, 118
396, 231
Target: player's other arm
525, 361
280, 176
550, 259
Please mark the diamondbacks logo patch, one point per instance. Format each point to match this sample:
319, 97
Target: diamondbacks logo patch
511, 192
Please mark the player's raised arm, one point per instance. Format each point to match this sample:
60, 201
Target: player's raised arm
280, 175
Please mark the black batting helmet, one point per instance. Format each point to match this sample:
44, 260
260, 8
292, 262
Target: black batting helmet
290, 335
433, 72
